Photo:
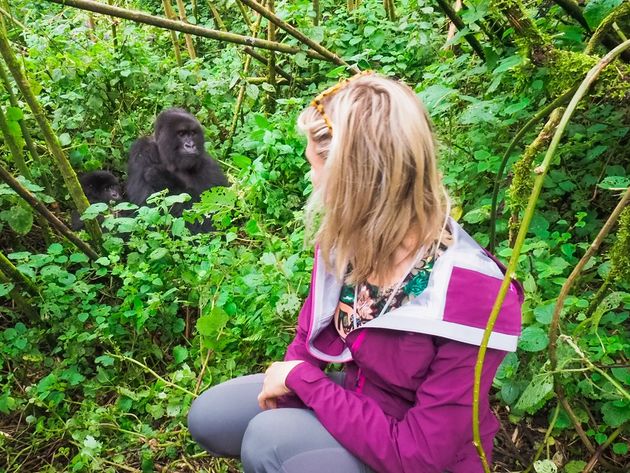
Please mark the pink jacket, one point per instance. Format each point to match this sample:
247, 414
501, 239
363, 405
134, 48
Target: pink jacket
406, 405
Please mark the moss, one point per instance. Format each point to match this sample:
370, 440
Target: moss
566, 68
620, 252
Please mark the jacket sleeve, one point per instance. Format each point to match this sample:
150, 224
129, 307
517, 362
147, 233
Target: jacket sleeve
431, 433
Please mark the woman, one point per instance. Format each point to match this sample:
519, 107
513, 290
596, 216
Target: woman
399, 295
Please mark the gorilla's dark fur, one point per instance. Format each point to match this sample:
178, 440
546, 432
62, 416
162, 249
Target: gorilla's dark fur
173, 158
98, 186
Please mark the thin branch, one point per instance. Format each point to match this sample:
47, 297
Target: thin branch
12, 272
598, 453
574, 11
141, 17
590, 78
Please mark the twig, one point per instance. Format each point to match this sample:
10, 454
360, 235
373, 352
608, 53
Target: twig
145, 367
593, 461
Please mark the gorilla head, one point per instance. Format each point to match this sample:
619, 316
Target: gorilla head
101, 186
180, 139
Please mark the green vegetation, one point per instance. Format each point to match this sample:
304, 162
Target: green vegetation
106, 340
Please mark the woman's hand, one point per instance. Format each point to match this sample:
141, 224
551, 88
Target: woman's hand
274, 383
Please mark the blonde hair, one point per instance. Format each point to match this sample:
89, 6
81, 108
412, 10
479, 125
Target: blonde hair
379, 182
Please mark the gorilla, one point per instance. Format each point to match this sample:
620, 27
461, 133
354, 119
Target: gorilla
98, 186
173, 158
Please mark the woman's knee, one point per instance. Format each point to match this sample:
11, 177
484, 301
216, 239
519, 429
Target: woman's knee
217, 418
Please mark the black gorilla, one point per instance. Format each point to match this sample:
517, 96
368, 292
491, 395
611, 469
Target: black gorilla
98, 186
173, 158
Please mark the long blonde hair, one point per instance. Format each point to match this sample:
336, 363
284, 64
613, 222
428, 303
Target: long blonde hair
380, 181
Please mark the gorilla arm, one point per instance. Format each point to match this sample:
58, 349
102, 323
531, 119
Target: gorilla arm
147, 174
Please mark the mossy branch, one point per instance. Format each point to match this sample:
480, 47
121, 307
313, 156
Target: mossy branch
559, 101
141, 17
15, 150
601, 31
590, 78
68, 174
47, 214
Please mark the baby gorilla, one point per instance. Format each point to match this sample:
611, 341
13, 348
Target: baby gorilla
98, 186
173, 158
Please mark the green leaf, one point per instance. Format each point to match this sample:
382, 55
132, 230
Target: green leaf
211, 324
507, 64
252, 91
94, 211
14, 114
620, 448
615, 183
537, 392
64, 139
533, 339
378, 39
104, 360
543, 313
180, 353
574, 466
616, 412
19, 217
545, 466
158, 253
241, 161
596, 10
262, 122
336, 72
6, 288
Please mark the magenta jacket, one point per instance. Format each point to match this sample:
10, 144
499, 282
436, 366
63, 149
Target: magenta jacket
406, 405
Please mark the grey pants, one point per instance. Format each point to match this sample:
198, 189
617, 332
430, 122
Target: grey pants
227, 422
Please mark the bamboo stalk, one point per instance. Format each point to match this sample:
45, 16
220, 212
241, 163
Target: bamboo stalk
318, 12
459, 24
190, 46
245, 16
217, 17
332, 57
590, 78
262, 80
28, 140
270, 105
170, 14
68, 174
47, 214
141, 17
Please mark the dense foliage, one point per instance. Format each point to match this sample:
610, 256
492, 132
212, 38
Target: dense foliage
99, 373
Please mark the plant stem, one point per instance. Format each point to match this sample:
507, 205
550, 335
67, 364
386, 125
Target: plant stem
590, 78
152, 372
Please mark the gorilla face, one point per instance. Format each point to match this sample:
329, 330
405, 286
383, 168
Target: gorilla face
101, 186
180, 139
